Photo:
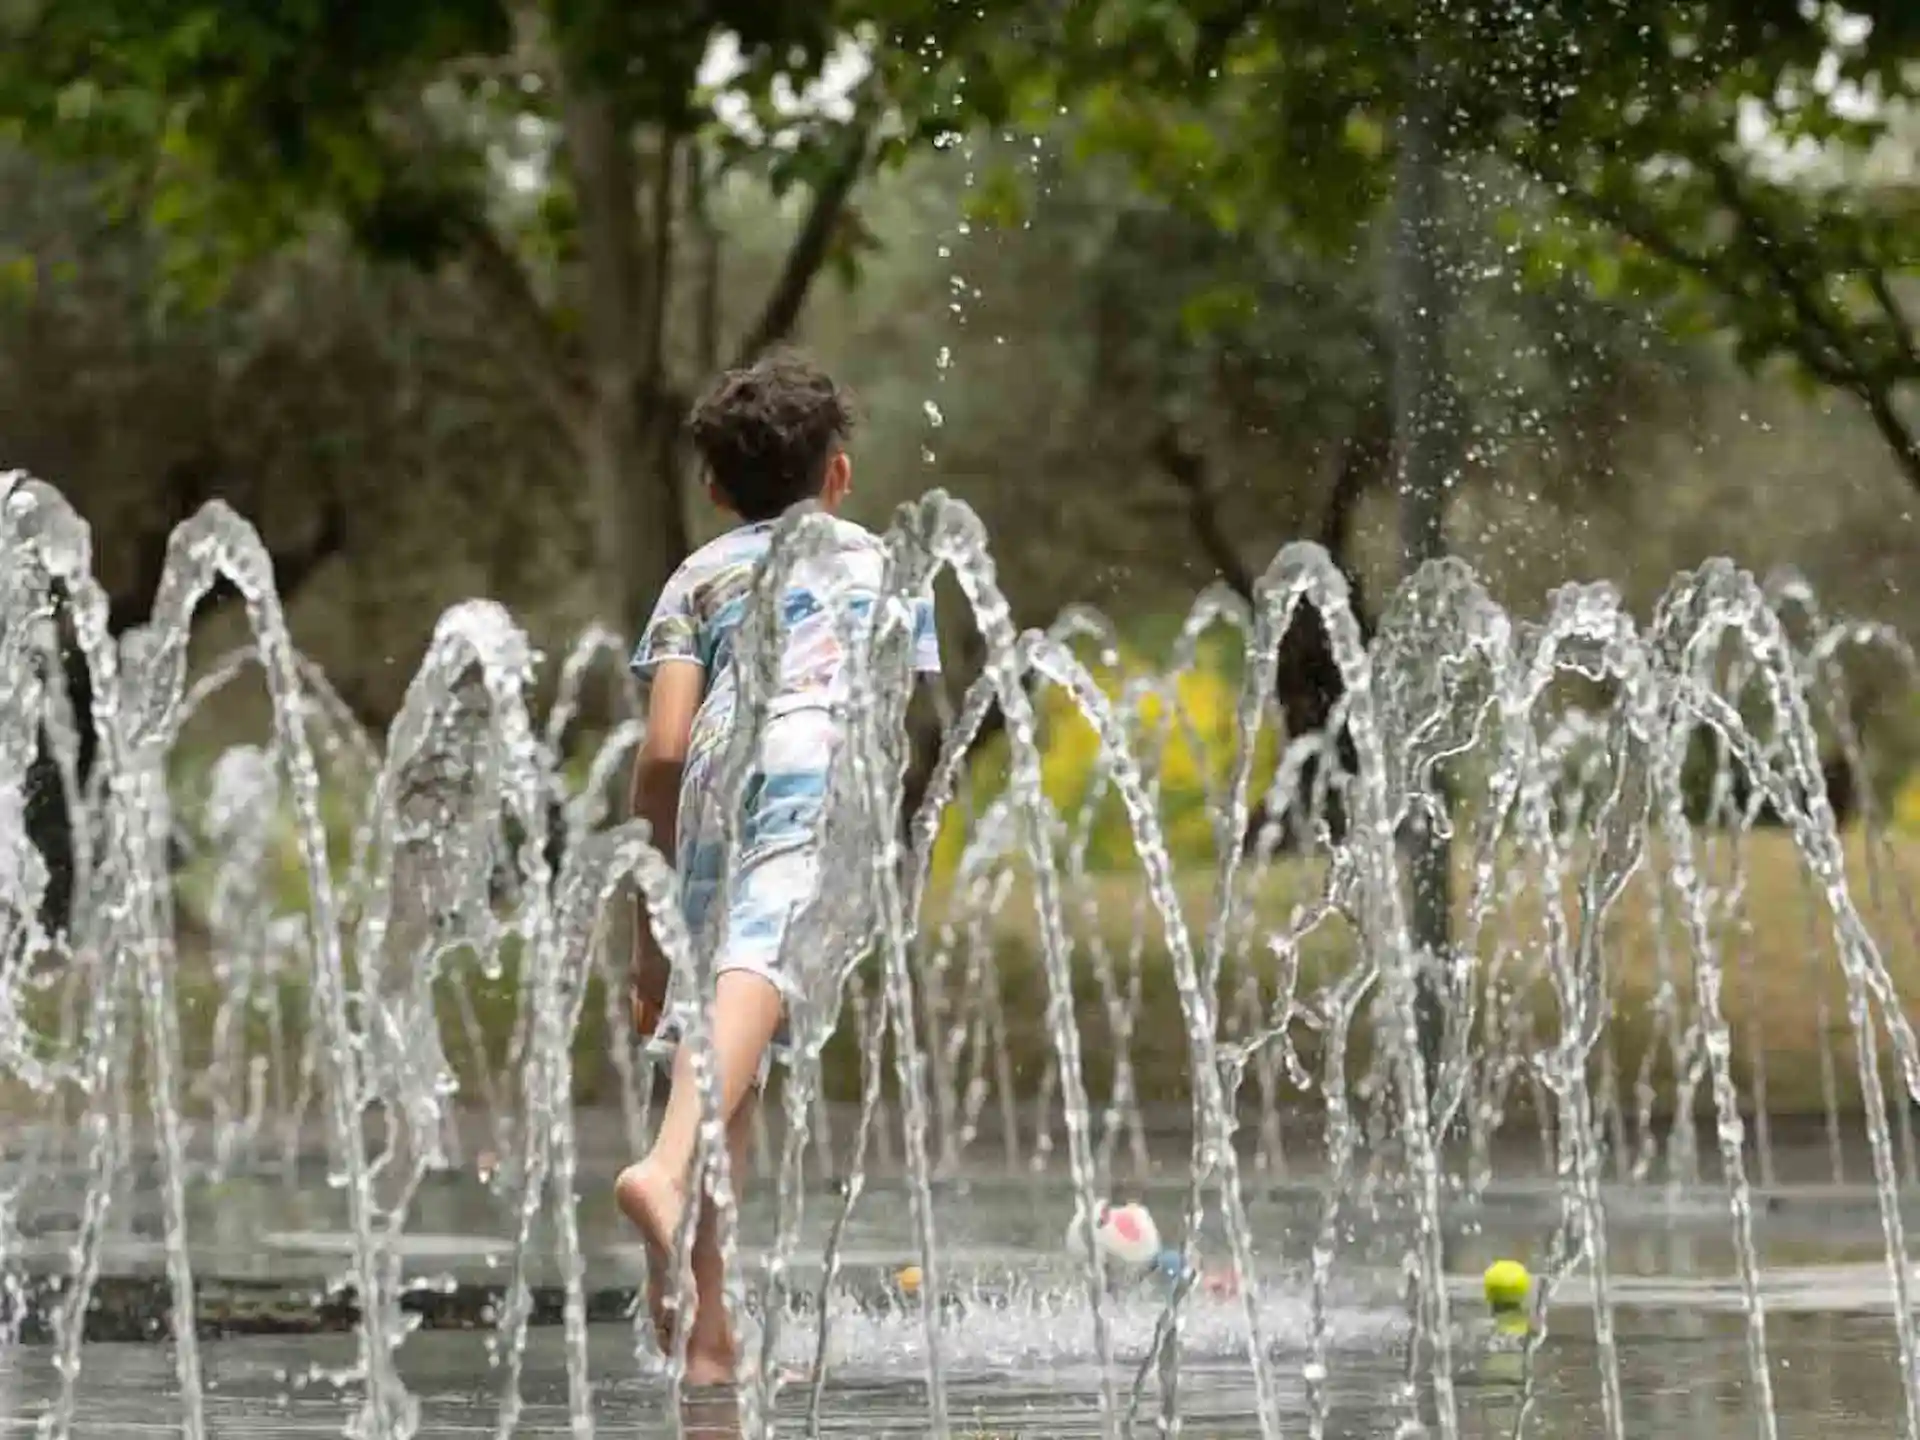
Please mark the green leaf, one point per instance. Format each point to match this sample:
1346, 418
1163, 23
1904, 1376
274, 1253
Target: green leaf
1217, 308
1604, 273
1001, 198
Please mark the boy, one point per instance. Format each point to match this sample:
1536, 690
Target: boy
770, 436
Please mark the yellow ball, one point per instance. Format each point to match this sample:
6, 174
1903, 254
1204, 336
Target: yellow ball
1507, 1284
908, 1280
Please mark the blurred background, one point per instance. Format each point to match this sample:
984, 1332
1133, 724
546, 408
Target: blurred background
425, 289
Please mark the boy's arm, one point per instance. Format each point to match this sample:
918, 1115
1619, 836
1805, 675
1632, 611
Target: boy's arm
673, 699
654, 796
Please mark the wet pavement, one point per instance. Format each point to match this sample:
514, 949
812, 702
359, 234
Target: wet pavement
1684, 1374
1017, 1338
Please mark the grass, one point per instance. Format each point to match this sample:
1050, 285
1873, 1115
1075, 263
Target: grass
1784, 988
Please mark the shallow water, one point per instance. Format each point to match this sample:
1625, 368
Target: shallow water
1683, 1372
1023, 1363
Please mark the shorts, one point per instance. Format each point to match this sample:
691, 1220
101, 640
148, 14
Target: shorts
776, 889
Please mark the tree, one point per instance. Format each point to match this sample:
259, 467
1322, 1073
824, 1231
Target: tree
1302, 119
1757, 209
351, 414
1208, 338
1726, 143
1286, 122
1251, 373
556, 155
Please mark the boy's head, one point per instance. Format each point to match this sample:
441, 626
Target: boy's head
774, 434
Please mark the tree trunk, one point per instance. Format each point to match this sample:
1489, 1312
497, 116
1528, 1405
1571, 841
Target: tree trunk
632, 460
629, 440
631, 434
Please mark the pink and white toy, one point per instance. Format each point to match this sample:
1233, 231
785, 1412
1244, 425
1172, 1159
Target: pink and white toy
1125, 1234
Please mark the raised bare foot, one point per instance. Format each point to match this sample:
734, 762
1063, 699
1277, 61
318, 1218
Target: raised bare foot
654, 1201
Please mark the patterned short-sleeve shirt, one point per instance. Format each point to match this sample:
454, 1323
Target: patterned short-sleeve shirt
701, 609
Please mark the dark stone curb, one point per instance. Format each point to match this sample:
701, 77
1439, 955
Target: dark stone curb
138, 1309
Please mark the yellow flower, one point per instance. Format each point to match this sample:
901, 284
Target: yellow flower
1192, 746
1906, 806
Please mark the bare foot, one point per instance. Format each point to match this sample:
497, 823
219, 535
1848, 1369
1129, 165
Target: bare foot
654, 1201
709, 1369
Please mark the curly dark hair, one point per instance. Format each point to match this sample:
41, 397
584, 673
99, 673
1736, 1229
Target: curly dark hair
767, 433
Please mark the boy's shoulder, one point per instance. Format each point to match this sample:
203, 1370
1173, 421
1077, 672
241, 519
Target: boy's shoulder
855, 538
744, 544
752, 540
854, 549
727, 562
858, 559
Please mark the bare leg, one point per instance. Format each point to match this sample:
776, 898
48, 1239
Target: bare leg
746, 1012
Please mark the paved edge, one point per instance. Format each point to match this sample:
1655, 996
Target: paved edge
138, 1309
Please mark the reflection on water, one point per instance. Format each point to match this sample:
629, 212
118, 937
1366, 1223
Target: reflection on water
1684, 1375
1022, 1357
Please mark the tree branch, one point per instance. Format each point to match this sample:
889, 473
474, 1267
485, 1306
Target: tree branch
925, 730
1636, 226
1897, 321
1182, 463
1901, 437
1336, 523
184, 487
1868, 381
810, 248
1818, 342
654, 297
1800, 289
700, 208
1643, 229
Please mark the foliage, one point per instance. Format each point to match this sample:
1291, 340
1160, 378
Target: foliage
363, 420
1187, 746
1656, 122
419, 403
1747, 203
238, 127
1251, 337
557, 153
240, 124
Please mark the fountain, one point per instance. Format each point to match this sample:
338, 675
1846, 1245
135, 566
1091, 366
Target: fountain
347, 1109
